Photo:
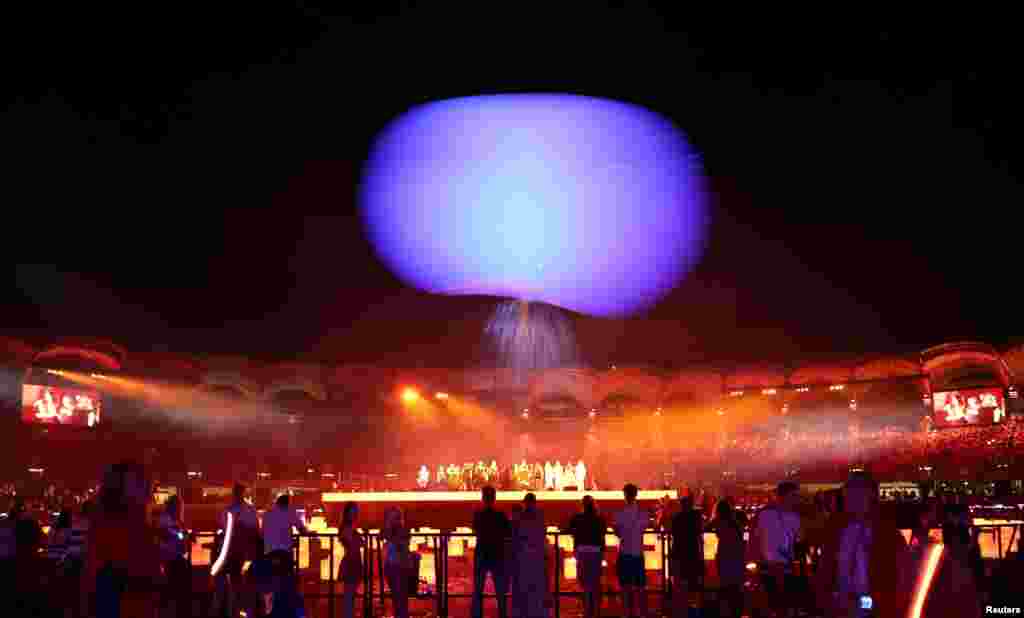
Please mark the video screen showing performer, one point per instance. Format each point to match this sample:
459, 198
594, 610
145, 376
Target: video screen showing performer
968, 407
51, 405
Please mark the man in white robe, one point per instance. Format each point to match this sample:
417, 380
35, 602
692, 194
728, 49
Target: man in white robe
581, 475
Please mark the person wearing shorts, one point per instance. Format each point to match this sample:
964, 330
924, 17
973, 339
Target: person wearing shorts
630, 524
588, 535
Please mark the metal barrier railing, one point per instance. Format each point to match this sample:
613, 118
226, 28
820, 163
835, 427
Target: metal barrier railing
319, 576
319, 567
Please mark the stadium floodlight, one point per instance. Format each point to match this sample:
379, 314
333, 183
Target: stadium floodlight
410, 395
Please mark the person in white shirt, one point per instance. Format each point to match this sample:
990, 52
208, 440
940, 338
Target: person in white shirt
630, 524
277, 527
777, 531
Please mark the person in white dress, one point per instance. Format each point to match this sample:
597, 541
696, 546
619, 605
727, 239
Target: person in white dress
581, 475
558, 473
569, 477
549, 475
423, 478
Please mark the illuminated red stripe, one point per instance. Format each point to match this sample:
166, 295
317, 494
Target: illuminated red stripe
219, 564
924, 583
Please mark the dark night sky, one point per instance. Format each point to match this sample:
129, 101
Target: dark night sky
189, 176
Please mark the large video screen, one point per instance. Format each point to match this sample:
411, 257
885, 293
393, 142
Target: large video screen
52, 405
982, 406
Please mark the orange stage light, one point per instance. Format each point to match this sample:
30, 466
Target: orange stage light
410, 395
441, 396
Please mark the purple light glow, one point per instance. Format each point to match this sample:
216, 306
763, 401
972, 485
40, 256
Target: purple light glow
588, 204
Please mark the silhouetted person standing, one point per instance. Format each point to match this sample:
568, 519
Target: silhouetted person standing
278, 524
728, 526
492, 528
630, 524
588, 536
122, 565
352, 563
397, 559
531, 574
865, 569
687, 566
243, 544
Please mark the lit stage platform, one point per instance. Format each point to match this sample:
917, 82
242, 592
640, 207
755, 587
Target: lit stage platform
448, 510
503, 496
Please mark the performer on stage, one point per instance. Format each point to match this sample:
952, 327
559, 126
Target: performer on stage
581, 475
441, 476
558, 472
454, 481
423, 478
538, 476
954, 408
85, 404
549, 476
46, 409
67, 409
570, 477
973, 409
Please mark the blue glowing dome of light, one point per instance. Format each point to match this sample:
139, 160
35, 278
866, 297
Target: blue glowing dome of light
589, 204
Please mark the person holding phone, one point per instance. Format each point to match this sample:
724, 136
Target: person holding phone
865, 568
174, 541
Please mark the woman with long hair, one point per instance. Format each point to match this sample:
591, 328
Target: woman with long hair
352, 563
122, 567
174, 540
729, 557
397, 561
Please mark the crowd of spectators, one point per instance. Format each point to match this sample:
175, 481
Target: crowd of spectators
827, 455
